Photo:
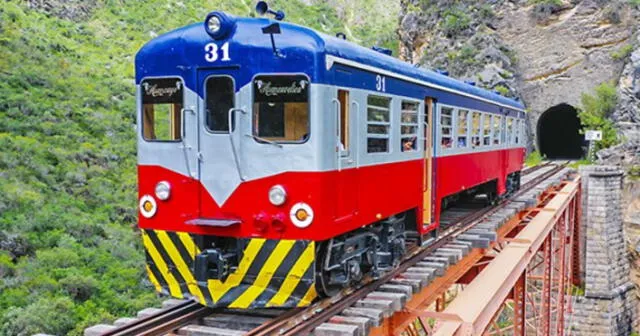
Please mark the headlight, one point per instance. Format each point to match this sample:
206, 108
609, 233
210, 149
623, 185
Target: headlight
301, 215
163, 190
214, 24
219, 24
277, 195
147, 206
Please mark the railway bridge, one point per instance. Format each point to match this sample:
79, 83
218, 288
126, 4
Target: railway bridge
550, 260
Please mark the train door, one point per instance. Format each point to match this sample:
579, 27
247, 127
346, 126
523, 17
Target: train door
218, 173
428, 190
346, 152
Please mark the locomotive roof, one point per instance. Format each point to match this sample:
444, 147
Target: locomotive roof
185, 45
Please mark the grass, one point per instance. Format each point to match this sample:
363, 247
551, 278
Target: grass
533, 159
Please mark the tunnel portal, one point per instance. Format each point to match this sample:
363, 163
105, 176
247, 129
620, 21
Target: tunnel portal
558, 133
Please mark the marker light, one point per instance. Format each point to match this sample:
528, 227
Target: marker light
163, 190
219, 24
277, 195
301, 215
148, 206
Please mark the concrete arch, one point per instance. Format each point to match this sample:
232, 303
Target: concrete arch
558, 133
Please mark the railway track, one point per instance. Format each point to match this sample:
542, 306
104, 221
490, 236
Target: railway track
190, 318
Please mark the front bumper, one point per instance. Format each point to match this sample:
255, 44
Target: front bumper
269, 273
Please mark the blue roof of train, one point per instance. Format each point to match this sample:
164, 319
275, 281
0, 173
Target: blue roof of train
185, 46
348, 50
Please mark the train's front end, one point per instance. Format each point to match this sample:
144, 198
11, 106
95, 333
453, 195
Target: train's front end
231, 160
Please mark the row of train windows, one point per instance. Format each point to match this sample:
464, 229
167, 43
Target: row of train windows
284, 118
379, 124
461, 128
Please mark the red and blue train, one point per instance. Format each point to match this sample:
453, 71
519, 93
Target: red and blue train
277, 163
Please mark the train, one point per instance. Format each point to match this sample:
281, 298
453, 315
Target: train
278, 164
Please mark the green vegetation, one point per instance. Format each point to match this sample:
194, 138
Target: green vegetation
623, 52
546, 2
455, 21
69, 254
533, 159
581, 162
595, 111
503, 90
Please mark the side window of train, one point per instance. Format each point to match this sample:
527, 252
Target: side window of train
497, 130
281, 108
219, 97
509, 133
463, 128
409, 126
162, 101
343, 98
475, 129
446, 124
378, 124
486, 129
516, 131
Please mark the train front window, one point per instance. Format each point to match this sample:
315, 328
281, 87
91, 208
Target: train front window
162, 101
281, 108
219, 98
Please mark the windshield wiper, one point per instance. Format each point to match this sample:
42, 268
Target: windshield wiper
273, 143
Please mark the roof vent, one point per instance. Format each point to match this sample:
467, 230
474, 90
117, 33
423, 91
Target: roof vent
442, 72
382, 50
472, 83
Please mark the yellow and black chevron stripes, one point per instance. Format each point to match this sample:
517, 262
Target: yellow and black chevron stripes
270, 273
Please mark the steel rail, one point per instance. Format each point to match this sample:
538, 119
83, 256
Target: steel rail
313, 316
164, 321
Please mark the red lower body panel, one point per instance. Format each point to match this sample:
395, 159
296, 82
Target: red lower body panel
342, 201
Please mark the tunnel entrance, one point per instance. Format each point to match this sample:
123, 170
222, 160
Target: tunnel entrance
558, 133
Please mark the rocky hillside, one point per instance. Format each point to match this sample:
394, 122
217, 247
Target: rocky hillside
69, 254
547, 52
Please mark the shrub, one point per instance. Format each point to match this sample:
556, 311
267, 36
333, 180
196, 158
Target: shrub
543, 9
533, 159
595, 111
623, 52
455, 22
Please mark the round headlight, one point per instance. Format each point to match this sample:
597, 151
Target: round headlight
219, 24
277, 195
214, 24
147, 206
163, 190
301, 215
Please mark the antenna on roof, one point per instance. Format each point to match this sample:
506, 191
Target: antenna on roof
341, 35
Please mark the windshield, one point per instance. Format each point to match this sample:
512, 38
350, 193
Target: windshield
281, 108
162, 101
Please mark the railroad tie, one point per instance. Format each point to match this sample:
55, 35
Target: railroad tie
172, 303
148, 312
475, 240
399, 299
491, 235
98, 330
363, 323
453, 258
421, 272
395, 288
459, 252
230, 321
335, 329
374, 315
415, 284
436, 267
198, 330
465, 249
124, 320
446, 260
385, 305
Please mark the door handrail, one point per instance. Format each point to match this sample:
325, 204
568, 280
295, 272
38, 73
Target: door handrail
236, 159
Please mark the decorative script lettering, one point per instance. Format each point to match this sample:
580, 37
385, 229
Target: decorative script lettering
268, 89
154, 91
